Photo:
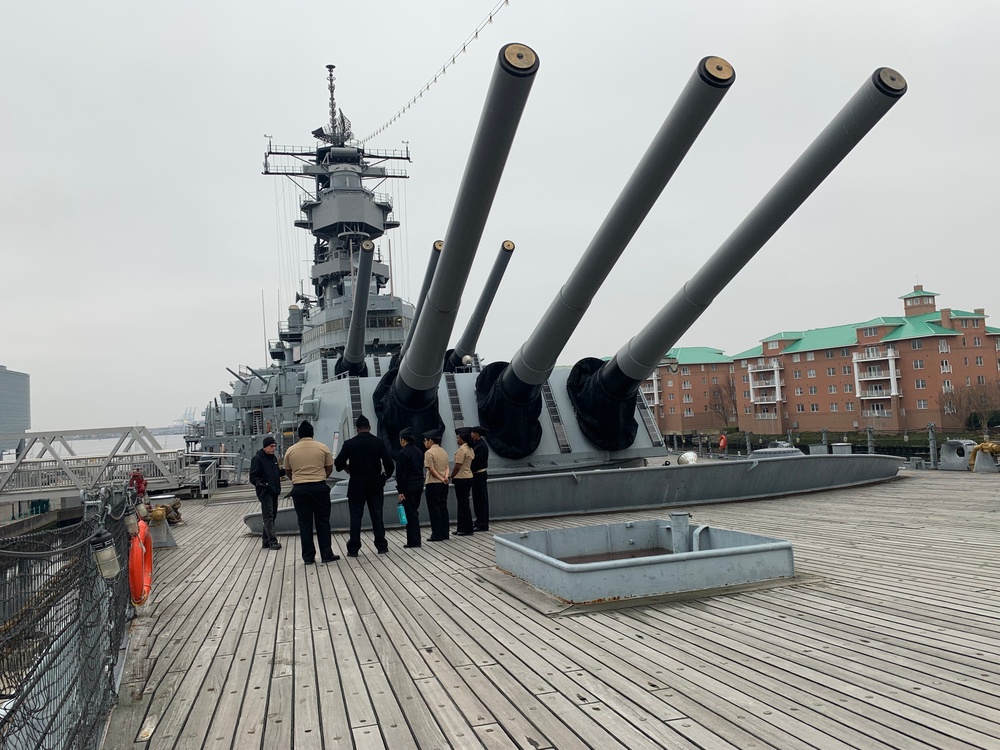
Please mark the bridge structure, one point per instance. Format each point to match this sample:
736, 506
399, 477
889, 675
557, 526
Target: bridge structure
47, 472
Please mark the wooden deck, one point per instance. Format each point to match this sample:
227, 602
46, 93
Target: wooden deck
887, 638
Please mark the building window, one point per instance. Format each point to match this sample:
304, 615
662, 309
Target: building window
747, 410
965, 322
846, 370
921, 403
715, 381
977, 341
689, 412
871, 351
968, 382
979, 361
670, 384
798, 357
845, 352
810, 356
746, 378
831, 371
833, 407
673, 410
800, 407
945, 367
916, 344
798, 391
772, 344
920, 384
829, 353
797, 374
975, 323
965, 361
688, 399
715, 368
831, 389
943, 347
918, 364
670, 397
810, 373
946, 386
848, 387
870, 332
981, 379
686, 385
813, 407
685, 370
849, 406
746, 394
813, 390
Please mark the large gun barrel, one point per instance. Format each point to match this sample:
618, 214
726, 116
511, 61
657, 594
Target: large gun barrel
414, 386
466, 346
432, 262
353, 359
509, 401
606, 413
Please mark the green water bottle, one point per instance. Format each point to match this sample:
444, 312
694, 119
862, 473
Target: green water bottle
402, 513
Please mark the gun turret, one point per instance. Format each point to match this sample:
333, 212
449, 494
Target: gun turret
407, 397
432, 262
604, 393
353, 359
466, 346
509, 395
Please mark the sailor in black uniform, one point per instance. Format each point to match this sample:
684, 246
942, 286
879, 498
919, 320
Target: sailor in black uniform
410, 483
480, 496
367, 459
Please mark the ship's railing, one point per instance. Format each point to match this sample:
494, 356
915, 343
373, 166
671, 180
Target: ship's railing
61, 631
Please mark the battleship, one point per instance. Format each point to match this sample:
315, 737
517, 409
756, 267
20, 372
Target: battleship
562, 439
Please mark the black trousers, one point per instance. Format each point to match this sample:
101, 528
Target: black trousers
312, 506
268, 510
371, 494
481, 500
411, 504
463, 515
437, 509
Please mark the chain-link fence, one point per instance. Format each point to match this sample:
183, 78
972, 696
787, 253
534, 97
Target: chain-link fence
61, 628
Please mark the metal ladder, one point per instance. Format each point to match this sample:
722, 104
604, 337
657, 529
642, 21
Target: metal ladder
456, 406
557, 424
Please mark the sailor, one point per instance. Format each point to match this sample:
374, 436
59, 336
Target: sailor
461, 474
265, 476
480, 495
308, 463
436, 485
410, 483
367, 459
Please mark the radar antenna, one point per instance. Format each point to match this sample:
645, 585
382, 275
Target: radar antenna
338, 131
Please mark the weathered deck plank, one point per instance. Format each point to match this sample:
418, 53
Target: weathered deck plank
886, 639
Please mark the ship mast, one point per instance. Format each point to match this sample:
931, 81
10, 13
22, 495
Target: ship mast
338, 132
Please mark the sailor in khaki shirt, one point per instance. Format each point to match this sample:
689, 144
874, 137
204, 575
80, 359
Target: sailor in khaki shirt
436, 485
308, 463
461, 479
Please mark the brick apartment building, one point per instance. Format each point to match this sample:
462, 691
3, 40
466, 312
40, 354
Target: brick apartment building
890, 373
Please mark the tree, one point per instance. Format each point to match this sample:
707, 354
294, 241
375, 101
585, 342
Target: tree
972, 406
722, 400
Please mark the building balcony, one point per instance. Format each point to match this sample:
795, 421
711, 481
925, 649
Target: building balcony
877, 393
876, 413
765, 399
887, 353
765, 383
877, 375
765, 415
775, 365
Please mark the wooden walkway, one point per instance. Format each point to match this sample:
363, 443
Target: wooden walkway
887, 638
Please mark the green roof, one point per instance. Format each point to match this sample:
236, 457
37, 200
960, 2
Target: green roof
784, 336
757, 351
921, 293
698, 355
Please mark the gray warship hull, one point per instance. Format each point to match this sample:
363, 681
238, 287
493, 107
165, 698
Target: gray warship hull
601, 490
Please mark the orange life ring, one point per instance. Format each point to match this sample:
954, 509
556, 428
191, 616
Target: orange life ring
140, 565
723, 442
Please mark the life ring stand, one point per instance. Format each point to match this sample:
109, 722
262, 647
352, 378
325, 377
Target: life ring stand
140, 565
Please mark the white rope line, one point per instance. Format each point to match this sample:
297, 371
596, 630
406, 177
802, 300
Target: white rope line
441, 71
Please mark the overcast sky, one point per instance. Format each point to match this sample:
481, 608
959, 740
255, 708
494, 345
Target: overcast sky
143, 251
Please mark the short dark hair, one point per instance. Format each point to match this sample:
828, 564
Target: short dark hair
362, 422
306, 430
